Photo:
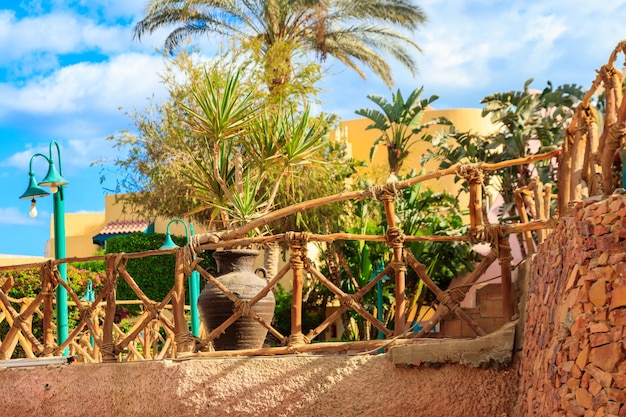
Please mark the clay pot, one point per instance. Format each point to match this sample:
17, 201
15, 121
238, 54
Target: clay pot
235, 269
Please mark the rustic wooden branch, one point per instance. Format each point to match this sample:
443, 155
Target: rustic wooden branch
19, 325
349, 301
47, 289
262, 221
184, 340
521, 209
504, 255
297, 267
109, 353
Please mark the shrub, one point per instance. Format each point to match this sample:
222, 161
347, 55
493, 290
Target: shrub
153, 274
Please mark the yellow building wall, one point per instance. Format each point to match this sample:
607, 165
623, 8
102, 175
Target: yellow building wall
80, 228
360, 140
6, 260
114, 211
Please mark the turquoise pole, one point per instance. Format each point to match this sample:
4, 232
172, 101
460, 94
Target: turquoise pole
194, 293
59, 253
56, 182
194, 278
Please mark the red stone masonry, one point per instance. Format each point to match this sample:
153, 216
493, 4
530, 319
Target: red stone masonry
575, 324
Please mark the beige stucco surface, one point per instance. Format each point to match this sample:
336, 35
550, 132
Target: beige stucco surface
269, 386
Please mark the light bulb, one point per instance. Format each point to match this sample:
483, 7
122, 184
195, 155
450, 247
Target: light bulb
33, 208
54, 189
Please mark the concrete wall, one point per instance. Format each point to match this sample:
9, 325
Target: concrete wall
573, 360
295, 385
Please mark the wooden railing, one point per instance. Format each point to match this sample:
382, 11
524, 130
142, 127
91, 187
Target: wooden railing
586, 168
161, 329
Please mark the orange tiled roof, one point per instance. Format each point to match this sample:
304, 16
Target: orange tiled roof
125, 226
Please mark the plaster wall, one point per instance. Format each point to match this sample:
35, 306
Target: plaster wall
295, 385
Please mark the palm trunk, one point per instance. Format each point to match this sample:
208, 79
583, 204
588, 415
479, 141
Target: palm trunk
394, 159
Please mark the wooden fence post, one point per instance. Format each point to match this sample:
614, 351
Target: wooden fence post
184, 341
297, 267
505, 259
395, 240
47, 288
109, 353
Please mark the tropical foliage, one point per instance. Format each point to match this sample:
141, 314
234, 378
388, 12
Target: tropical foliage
216, 150
283, 31
400, 124
248, 154
531, 122
528, 122
351, 264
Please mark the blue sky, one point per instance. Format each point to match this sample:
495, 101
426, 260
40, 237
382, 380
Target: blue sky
70, 69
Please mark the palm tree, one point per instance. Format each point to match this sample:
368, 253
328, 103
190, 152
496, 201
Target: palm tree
355, 32
399, 121
530, 122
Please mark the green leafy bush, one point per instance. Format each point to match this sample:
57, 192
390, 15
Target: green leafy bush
153, 274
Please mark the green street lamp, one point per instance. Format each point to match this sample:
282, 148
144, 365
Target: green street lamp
53, 179
194, 279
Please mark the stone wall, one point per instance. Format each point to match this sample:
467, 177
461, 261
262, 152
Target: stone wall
572, 363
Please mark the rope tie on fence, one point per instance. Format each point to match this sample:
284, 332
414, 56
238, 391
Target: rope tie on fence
395, 237
154, 311
452, 297
119, 261
307, 262
189, 260
297, 238
296, 261
108, 349
387, 192
297, 339
505, 245
243, 307
48, 267
398, 265
194, 244
184, 337
472, 173
347, 300
491, 233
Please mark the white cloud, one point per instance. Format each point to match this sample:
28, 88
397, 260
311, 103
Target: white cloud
95, 87
58, 33
14, 216
76, 154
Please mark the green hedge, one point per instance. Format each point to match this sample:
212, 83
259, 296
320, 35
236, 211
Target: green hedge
153, 274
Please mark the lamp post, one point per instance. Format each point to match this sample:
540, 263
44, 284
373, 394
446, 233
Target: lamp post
194, 279
56, 182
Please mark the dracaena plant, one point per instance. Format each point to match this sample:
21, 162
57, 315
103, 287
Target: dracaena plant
249, 151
